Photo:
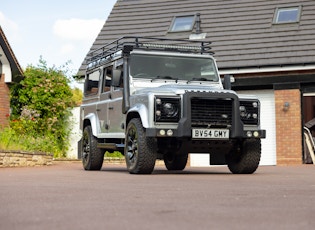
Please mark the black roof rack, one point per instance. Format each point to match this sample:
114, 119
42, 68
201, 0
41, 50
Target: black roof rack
148, 43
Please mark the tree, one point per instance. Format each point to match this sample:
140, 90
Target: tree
41, 104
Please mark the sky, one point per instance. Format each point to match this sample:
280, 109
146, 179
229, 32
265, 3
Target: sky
59, 31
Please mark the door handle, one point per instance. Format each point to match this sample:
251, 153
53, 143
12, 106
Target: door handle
111, 107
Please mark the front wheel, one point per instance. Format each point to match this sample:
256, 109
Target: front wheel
92, 157
245, 160
140, 151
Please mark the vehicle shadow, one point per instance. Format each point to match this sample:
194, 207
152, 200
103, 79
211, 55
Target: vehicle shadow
160, 170
192, 171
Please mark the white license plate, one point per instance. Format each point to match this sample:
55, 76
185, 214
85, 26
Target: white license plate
210, 133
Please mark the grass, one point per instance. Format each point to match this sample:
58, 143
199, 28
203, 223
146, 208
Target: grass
10, 140
114, 154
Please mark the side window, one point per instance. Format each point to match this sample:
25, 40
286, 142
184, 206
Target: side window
121, 85
92, 83
107, 78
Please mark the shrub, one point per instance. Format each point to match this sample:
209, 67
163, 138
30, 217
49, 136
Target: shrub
41, 105
77, 97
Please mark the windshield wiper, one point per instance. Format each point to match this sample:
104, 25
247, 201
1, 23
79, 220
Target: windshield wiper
199, 79
164, 77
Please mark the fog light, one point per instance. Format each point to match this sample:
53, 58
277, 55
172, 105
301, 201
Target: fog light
249, 134
169, 132
256, 134
162, 132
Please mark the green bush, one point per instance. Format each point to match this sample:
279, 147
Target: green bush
77, 96
41, 105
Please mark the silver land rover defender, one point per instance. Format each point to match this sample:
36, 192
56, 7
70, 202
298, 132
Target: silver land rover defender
154, 98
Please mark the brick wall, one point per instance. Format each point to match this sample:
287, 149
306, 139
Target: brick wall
4, 102
288, 127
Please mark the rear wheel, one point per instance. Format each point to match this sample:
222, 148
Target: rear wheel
140, 151
245, 160
92, 157
175, 162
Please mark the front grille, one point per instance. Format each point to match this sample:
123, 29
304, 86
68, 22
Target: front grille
211, 112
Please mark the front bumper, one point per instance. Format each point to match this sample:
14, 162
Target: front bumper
154, 132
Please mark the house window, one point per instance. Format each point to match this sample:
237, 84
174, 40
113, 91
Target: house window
182, 23
287, 15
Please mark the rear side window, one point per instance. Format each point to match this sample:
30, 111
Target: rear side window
92, 83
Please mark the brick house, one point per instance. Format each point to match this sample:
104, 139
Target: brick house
10, 71
268, 46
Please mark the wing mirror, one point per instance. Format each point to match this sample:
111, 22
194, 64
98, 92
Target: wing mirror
116, 77
227, 80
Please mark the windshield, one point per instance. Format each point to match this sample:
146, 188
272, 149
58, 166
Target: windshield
172, 67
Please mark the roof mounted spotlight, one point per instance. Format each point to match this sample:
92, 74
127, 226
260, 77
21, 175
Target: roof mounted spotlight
127, 49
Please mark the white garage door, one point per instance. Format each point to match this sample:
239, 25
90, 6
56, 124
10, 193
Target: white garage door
268, 148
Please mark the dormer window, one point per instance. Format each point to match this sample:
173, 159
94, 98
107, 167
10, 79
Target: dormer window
287, 15
182, 23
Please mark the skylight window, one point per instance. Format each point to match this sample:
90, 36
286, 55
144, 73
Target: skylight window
182, 23
287, 15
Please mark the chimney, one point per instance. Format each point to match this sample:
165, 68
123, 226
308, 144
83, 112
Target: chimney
198, 23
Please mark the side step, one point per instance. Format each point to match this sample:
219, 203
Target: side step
111, 146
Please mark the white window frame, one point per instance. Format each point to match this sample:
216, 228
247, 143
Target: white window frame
177, 23
280, 10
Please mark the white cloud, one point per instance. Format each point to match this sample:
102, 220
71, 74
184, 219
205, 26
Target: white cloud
78, 29
67, 48
10, 28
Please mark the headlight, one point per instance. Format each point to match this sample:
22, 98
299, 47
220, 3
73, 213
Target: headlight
167, 109
170, 110
249, 112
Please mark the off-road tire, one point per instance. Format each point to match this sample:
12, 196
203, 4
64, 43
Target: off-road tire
140, 151
175, 162
92, 157
246, 159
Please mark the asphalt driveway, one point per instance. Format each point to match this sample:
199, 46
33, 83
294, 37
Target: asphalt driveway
64, 196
